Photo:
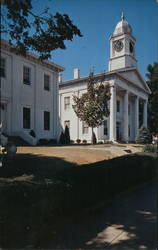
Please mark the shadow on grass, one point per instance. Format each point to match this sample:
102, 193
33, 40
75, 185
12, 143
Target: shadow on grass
32, 213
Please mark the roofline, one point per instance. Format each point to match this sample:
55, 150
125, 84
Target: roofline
128, 81
138, 74
120, 34
114, 72
6, 46
73, 81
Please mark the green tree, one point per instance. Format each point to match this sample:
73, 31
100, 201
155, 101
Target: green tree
152, 82
62, 138
41, 33
92, 107
67, 135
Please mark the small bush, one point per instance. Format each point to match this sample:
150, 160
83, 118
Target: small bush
32, 133
78, 141
52, 141
100, 142
67, 135
150, 148
43, 142
84, 141
71, 142
144, 136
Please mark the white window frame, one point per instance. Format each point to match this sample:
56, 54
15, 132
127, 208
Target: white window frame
105, 127
44, 124
85, 128
26, 75
46, 82
29, 127
67, 102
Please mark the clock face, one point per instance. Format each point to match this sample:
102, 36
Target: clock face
131, 47
118, 45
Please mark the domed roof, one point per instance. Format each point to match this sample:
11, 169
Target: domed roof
122, 26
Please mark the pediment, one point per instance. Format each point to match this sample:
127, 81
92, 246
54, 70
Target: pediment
135, 77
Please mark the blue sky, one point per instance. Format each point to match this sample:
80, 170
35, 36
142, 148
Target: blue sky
97, 19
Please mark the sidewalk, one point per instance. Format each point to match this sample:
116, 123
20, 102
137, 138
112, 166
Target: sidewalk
128, 223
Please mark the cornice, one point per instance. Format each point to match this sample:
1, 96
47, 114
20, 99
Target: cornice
32, 57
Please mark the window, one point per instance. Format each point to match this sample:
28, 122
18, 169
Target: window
84, 128
3, 67
26, 117
105, 126
26, 75
118, 106
46, 120
67, 102
67, 123
46, 82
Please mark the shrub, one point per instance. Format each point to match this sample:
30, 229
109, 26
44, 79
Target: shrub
78, 141
43, 142
52, 141
62, 138
32, 133
71, 142
150, 148
84, 141
100, 142
144, 136
67, 135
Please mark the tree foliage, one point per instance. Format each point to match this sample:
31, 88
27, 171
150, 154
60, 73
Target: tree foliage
42, 33
67, 135
152, 82
92, 107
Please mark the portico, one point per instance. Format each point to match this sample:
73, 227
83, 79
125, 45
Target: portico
124, 121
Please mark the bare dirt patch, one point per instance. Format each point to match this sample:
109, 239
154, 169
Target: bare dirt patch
81, 154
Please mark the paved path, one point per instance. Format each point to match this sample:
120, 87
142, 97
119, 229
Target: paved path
127, 223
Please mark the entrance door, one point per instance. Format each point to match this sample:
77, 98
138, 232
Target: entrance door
118, 131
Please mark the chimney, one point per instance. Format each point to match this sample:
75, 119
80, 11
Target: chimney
60, 78
76, 73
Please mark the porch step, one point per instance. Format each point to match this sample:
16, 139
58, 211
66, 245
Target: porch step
18, 141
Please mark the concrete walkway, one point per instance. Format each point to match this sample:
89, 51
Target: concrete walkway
127, 223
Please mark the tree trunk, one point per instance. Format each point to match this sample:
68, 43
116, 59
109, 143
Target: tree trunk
92, 141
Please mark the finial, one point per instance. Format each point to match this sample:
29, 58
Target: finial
122, 16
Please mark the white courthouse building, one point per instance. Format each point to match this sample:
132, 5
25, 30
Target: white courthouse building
29, 95
128, 89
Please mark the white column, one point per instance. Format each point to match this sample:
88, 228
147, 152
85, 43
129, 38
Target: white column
136, 115
125, 117
112, 128
145, 113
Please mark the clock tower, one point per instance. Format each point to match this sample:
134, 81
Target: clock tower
122, 46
